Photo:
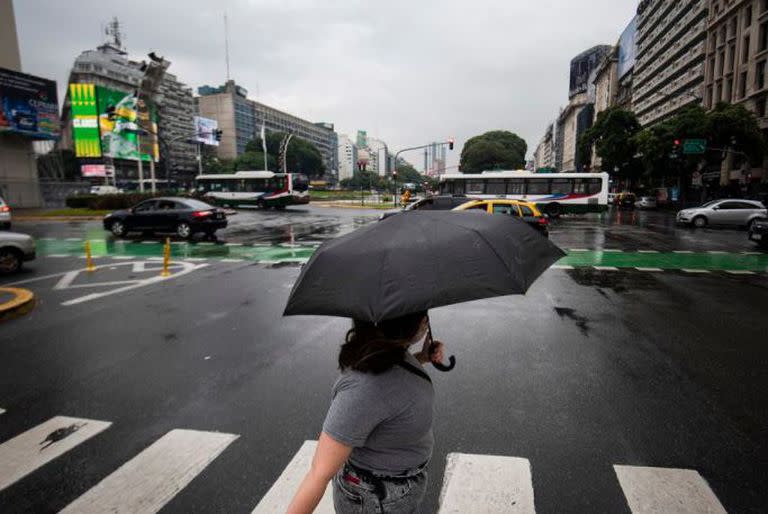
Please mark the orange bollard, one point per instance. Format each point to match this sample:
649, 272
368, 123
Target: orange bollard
166, 258
88, 258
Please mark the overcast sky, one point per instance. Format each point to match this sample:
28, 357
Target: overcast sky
407, 71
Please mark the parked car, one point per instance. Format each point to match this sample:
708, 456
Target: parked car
432, 203
15, 249
758, 232
526, 211
733, 212
105, 190
612, 198
646, 202
5, 215
182, 216
625, 200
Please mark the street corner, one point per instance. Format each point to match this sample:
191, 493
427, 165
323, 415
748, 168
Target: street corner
15, 302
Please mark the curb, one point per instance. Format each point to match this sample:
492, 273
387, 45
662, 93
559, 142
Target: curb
58, 218
22, 303
333, 205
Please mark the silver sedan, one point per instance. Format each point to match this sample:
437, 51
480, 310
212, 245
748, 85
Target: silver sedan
741, 213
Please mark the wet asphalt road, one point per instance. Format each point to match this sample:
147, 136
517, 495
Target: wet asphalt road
591, 369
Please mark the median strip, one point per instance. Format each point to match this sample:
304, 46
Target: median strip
18, 302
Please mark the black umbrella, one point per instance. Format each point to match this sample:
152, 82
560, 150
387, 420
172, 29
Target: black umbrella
419, 260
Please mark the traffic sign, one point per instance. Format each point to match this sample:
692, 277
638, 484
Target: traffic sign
694, 146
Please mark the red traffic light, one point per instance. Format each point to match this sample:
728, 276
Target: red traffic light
677, 142
450, 144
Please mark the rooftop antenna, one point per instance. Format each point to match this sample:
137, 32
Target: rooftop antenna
114, 35
226, 42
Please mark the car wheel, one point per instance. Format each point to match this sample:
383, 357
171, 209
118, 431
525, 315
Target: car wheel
554, 210
118, 228
261, 205
183, 230
699, 222
10, 261
751, 225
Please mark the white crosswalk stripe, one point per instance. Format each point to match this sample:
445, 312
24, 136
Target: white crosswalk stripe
36, 447
2, 410
152, 478
671, 491
486, 484
281, 493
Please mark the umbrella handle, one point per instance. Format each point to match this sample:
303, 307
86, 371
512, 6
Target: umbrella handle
432, 348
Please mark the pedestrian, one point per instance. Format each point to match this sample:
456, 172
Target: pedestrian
377, 438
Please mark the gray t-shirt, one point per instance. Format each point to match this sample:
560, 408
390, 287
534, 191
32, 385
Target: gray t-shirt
386, 418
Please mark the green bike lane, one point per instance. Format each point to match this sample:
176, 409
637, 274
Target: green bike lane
755, 262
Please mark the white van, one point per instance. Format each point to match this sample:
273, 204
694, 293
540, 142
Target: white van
105, 190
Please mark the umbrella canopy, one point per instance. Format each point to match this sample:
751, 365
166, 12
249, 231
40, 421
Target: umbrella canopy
419, 260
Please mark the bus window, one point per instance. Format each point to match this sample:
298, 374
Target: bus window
475, 187
300, 182
458, 187
515, 186
580, 186
595, 186
537, 186
561, 186
496, 187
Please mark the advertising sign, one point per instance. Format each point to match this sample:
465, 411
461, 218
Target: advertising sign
28, 105
85, 120
131, 121
628, 48
582, 67
362, 139
93, 170
205, 129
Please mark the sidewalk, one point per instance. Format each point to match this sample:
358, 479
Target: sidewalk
26, 214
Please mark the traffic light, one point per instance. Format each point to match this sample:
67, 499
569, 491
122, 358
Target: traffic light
394, 175
217, 134
450, 144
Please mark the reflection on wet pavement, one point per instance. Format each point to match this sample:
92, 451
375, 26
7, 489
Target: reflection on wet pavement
616, 282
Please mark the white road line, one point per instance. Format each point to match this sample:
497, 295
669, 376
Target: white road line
232, 260
27, 452
695, 270
655, 270
612, 250
47, 239
195, 259
682, 251
716, 252
155, 258
606, 268
2, 411
234, 244
647, 251
667, 490
123, 257
207, 243
485, 484
147, 482
561, 266
179, 242
578, 250
73, 239
739, 272
753, 253
150, 242
280, 494
57, 256
98, 241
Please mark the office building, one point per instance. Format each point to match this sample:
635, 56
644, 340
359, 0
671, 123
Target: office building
544, 156
347, 157
240, 120
671, 48
176, 129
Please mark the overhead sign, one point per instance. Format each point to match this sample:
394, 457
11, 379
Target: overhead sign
28, 105
628, 48
694, 146
124, 122
85, 120
205, 131
93, 170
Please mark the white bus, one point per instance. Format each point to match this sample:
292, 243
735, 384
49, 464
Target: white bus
262, 189
553, 193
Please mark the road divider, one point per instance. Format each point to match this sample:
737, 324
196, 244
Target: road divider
15, 302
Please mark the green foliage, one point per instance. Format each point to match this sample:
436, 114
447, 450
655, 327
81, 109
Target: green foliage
303, 156
407, 173
107, 202
366, 180
498, 149
254, 161
613, 137
215, 166
735, 126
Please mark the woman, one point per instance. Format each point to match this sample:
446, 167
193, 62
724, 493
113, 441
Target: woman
377, 436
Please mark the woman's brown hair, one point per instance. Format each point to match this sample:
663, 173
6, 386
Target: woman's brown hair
374, 348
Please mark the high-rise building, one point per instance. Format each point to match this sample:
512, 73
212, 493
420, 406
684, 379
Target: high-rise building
736, 70
544, 156
176, 129
436, 155
671, 48
240, 120
347, 157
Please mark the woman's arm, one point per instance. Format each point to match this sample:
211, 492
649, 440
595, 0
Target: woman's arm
330, 456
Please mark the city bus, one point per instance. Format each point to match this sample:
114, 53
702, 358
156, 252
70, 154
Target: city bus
263, 189
554, 194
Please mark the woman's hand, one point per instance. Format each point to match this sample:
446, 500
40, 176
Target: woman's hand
436, 352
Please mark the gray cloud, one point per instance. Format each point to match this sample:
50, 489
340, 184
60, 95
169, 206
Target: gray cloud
409, 72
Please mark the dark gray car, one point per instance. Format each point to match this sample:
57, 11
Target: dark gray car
733, 212
432, 203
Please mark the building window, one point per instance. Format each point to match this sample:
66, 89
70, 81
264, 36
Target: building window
763, 36
732, 27
721, 64
748, 16
745, 52
760, 107
763, 6
731, 57
709, 96
760, 75
743, 85
728, 90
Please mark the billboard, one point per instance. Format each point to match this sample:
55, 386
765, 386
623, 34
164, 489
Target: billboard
119, 132
628, 48
85, 120
582, 68
205, 129
28, 105
362, 139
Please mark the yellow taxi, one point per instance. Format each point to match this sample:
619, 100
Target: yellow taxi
525, 211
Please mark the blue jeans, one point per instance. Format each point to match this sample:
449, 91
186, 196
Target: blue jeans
353, 494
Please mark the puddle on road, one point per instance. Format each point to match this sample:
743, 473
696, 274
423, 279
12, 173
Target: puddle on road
615, 281
581, 322
60, 434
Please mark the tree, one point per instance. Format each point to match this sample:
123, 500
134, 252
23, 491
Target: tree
365, 179
613, 137
734, 127
254, 161
303, 156
498, 149
407, 173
